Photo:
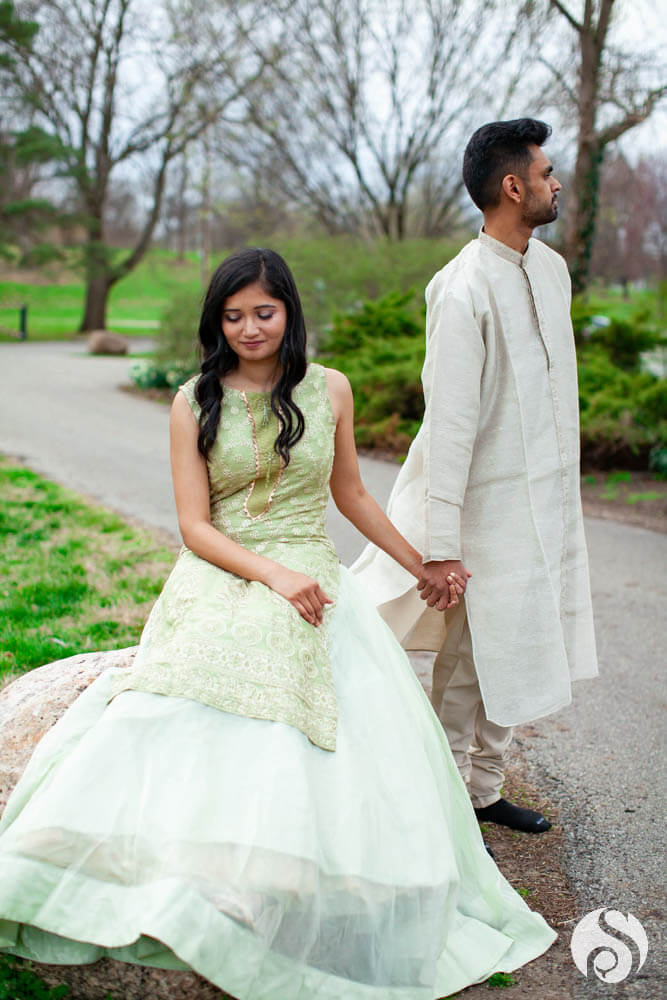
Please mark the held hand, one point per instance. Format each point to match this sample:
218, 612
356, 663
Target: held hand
303, 593
441, 583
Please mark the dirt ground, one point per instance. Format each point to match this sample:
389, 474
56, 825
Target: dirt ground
534, 865
618, 495
631, 497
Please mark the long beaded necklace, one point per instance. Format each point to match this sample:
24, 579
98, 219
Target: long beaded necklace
265, 420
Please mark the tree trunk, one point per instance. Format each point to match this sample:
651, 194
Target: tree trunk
586, 180
97, 266
98, 277
205, 215
583, 213
98, 287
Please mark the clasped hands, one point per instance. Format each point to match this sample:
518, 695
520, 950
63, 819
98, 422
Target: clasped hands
441, 583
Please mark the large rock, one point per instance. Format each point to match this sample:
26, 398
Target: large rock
29, 706
105, 342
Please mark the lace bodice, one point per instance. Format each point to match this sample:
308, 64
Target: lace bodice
294, 510
233, 643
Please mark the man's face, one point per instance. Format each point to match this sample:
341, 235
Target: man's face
540, 204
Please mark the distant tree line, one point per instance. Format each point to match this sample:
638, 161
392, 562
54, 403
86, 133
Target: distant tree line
124, 119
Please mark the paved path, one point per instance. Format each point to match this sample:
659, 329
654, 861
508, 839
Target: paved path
61, 411
601, 760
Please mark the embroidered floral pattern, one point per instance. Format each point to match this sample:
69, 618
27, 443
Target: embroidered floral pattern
232, 643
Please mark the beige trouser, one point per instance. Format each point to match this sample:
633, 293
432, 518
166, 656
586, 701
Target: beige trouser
478, 746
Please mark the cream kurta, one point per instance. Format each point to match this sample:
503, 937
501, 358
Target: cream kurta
492, 478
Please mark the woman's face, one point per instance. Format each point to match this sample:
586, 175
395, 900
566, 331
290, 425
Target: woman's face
254, 324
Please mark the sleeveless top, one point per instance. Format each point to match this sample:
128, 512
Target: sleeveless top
236, 644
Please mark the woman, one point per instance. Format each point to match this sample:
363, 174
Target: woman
266, 796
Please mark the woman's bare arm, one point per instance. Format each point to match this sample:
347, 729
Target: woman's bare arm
191, 492
354, 501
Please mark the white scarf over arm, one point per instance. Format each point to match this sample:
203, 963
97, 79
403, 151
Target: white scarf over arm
492, 478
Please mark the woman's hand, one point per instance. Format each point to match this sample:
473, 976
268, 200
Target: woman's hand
303, 593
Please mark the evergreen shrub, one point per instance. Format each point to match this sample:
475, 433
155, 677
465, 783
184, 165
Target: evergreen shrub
626, 340
161, 374
379, 344
623, 413
380, 347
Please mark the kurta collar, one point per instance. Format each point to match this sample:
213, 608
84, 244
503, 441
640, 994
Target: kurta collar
513, 256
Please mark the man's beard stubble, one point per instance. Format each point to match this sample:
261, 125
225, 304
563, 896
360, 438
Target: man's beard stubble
539, 215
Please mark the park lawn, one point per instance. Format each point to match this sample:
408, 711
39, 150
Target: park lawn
55, 307
611, 301
333, 274
74, 577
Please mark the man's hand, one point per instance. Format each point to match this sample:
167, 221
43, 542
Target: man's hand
441, 583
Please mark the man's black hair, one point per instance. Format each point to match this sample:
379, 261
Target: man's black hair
498, 149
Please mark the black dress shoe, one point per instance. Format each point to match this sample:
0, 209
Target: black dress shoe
506, 814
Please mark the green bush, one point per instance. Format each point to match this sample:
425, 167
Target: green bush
657, 460
380, 347
161, 374
625, 340
377, 338
178, 337
176, 356
335, 274
623, 413
390, 317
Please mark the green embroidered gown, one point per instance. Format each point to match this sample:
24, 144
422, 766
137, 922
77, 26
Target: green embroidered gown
235, 644
272, 805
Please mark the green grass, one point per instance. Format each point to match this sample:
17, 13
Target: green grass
55, 304
610, 301
501, 981
19, 982
633, 498
331, 274
73, 578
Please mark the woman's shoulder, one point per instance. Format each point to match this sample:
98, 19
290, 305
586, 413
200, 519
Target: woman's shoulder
188, 390
331, 377
338, 386
335, 387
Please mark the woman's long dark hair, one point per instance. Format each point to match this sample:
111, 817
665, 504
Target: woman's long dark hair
245, 268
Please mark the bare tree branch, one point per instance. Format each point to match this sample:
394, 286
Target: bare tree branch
606, 78
368, 94
566, 14
632, 118
80, 80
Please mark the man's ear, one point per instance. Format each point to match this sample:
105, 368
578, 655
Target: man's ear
512, 187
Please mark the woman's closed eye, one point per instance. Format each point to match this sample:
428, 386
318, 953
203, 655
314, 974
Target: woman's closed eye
234, 318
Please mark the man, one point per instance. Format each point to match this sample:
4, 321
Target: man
490, 488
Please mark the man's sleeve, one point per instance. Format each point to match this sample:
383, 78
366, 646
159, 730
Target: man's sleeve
452, 382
